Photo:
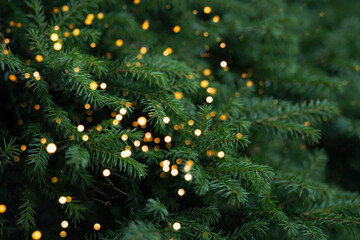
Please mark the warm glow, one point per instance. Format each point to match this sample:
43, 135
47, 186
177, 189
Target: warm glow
80, 128
223, 64
103, 85
141, 121
221, 154
65, 8
166, 163
54, 37
63, 234
124, 137
97, 226
62, 200
188, 177
239, 135
106, 172
207, 72
222, 45
2, 208
57, 46
166, 168
167, 139
136, 2
85, 138
307, 124
197, 132
176, 226
209, 99
144, 148
207, 9
176, 29
166, 120
100, 15
249, 83
167, 51
64, 224
76, 69
36, 235
178, 95
51, 148
119, 42
216, 19
145, 25
204, 83
54, 179
119, 117
181, 192
122, 111
191, 122
137, 143
39, 58
76, 32
23, 147
93, 85
223, 117
12, 77
174, 172
125, 153
143, 50
43, 140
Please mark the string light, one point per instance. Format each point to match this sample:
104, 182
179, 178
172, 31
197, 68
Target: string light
80, 128
176, 29
54, 179
62, 200
209, 99
2, 208
137, 143
307, 124
85, 138
191, 122
239, 135
167, 139
167, 51
136, 2
93, 85
207, 72
103, 85
145, 25
106, 172
64, 224
197, 132
144, 148
119, 42
207, 9
176, 226
166, 120
63, 234
51, 148
178, 95
174, 172
54, 37
119, 117
12, 77
142, 121
57, 46
124, 137
125, 153
216, 19
122, 111
222, 45
181, 192
76, 32
36, 235
143, 50
223, 64
223, 117
188, 177
97, 226
39, 58
65, 8
204, 83
100, 15
23, 148
166, 168
221, 154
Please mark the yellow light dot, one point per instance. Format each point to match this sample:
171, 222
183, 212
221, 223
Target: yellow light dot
51, 148
56, 27
188, 177
125, 153
119, 42
322, 14
166, 120
27, 75
37, 107
187, 168
176, 226
124, 137
209, 99
63, 234
88, 21
204, 83
54, 179
103, 85
167, 51
100, 15
137, 143
207, 72
144, 148
222, 45
307, 124
206, 34
216, 19
76, 69
12, 77
36, 235
39, 58
16, 159
223, 117
85, 138
64, 224
223, 64
65, 8
54, 37
76, 32
23, 147
166, 168
115, 122
142, 121
122, 111
92, 45
197, 132
207, 9
106, 172
143, 50
80, 128
190, 163
97, 226
181, 192
43, 140
93, 85
187, 142
145, 25
57, 46
87, 106
195, 12
176, 29
239, 135
178, 95
221, 154
167, 139
174, 172
166, 162
68, 199
249, 83
136, 2
191, 122
2, 208
119, 117
62, 200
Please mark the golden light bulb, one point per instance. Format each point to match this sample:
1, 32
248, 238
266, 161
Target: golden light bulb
36, 235
141, 121
176, 226
191, 122
137, 143
23, 147
145, 25
43, 140
167, 139
166, 162
216, 19
188, 177
76, 32
54, 179
51, 148
143, 50
239, 135
204, 83
76, 69
100, 15
39, 58
166, 120
181, 192
97, 226
207, 72
65, 8
119, 42
62, 200
222, 45
93, 85
106, 172
64, 224
307, 124
176, 29
174, 172
197, 132
57, 46
166, 168
125, 153
124, 137
85, 138
221, 154
119, 117
122, 111
207, 9
148, 135
187, 168
63, 234
223, 64
2, 208
209, 99
54, 37
80, 128
144, 148
103, 85
136, 2
178, 95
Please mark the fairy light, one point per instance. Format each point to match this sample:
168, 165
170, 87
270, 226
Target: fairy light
2, 208
145, 25
54, 179
97, 226
62, 200
27, 75
144, 148
54, 37
63, 234
157, 140
37, 107
174, 172
178, 95
80, 128
223, 117
76, 69
222, 45
85, 138
167, 51
204, 83
191, 122
216, 19
197, 132
93, 85
209, 99
119, 117
223, 64
92, 45
176, 226
188, 177
124, 137
176, 29
43, 140
39, 58
56, 27
166, 168
125, 153
65, 8
181, 192
51, 148
57, 46
12, 77
64, 224
141, 121
307, 124
16, 159
166, 162
103, 85
207, 72
167, 139
221, 154
136, 2
143, 50
166, 120
119, 42
36, 235
187, 168
106, 172
122, 111
137, 143
211, 90
68, 199
207, 9
249, 83
76, 32
239, 135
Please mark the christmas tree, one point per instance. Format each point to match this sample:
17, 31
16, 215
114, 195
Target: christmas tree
182, 119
